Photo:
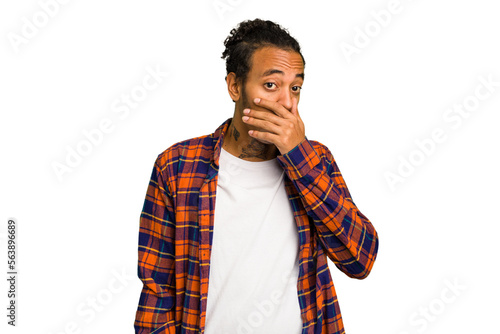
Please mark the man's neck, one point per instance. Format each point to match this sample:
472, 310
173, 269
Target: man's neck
238, 142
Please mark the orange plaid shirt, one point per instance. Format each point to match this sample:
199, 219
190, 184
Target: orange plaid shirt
176, 229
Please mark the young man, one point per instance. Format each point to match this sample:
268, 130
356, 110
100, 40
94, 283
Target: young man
237, 225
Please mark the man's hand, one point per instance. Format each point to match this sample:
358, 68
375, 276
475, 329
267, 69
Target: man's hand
280, 127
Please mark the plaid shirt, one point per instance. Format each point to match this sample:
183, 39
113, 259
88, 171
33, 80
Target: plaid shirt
176, 229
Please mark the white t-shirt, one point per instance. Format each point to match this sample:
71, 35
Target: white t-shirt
254, 261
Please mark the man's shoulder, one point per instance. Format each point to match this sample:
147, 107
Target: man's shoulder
192, 148
197, 148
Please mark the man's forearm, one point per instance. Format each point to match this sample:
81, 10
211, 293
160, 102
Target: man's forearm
348, 237
156, 259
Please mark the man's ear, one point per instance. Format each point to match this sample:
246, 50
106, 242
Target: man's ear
234, 86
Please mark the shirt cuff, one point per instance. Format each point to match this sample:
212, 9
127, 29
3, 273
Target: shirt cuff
300, 160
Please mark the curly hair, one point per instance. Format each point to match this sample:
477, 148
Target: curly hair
249, 36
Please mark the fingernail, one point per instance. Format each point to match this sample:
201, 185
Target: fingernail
250, 132
246, 111
245, 118
256, 100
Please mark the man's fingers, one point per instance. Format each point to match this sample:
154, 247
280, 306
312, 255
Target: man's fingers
275, 107
264, 137
264, 115
262, 124
295, 110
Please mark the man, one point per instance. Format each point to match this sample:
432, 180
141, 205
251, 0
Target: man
237, 225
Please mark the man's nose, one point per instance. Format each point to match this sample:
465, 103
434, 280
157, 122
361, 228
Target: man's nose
286, 99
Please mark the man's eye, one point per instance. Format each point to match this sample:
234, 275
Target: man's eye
270, 85
296, 88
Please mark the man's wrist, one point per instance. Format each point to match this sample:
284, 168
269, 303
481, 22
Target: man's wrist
300, 160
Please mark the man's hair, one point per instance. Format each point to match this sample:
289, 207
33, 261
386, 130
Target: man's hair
249, 36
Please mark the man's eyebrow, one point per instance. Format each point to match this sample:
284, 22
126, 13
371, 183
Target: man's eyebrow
274, 71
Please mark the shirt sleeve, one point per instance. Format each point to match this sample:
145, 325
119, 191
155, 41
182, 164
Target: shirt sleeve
156, 259
348, 237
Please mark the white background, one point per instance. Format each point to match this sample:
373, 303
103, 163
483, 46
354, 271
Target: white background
437, 226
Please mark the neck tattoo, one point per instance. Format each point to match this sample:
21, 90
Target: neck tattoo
255, 149
236, 134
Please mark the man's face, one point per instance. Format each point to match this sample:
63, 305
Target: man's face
275, 75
